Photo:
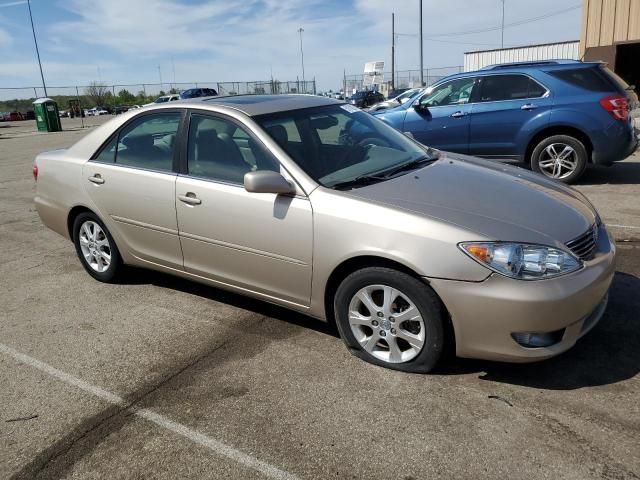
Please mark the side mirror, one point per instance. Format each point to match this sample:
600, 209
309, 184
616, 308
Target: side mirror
267, 181
418, 107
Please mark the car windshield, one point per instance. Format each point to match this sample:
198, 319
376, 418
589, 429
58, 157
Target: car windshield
339, 144
409, 94
162, 99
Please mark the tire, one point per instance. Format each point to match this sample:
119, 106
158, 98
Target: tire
362, 330
96, 248
569, 162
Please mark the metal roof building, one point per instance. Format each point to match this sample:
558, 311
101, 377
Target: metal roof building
548, 51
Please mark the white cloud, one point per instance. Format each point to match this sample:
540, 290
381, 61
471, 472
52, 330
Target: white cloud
5, 39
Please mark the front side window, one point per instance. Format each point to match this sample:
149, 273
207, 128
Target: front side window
339, 144
219, 149
453, 92
495, 88
148, 142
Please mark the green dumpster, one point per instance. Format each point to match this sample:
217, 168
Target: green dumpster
47, 116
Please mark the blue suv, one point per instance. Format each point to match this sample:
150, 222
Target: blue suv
558, 116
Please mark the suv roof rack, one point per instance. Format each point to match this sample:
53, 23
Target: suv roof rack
532, 63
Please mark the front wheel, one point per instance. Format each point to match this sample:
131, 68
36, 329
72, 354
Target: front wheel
560, 157
391, 319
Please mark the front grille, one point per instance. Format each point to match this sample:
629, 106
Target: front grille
584, 245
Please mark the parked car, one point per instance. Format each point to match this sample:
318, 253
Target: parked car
4, 116
96, 111
198, 92
312, 204
63, 113
396, 101
15, 116
556, 116
29, 115
395, 92
163, 99
117, 110
365, 98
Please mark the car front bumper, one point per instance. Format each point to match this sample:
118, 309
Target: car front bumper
485, 314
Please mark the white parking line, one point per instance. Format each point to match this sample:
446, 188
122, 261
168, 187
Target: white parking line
622, 226
151, 416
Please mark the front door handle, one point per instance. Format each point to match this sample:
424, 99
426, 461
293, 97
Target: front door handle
528, 106
190, 199
97, 179
458, 114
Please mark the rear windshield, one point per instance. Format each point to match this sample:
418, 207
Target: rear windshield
592, 79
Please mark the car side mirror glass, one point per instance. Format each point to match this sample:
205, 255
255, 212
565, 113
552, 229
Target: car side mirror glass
420, 108
267, 181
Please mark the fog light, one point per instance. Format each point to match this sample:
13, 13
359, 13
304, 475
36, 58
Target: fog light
536, 340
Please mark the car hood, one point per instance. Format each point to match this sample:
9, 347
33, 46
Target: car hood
494, 200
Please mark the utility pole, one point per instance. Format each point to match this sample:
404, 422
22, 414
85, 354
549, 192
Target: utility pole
300, 30
173, 66
160, 75
502, 29
393, 51
421, 56
44, 86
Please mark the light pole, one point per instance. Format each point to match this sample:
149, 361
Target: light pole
160, 76
300, 30
44, 86
502, 29
421, 56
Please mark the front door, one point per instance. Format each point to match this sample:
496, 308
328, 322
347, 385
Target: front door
131, 182
258, 242
442, 117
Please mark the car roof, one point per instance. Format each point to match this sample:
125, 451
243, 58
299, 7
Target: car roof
253, 105
520, 67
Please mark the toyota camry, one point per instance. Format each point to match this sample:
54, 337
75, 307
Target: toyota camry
312, 204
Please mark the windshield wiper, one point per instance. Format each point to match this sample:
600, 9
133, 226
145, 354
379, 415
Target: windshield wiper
410, 165
360, 181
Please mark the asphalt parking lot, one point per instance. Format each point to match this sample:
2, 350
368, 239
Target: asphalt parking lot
158, 377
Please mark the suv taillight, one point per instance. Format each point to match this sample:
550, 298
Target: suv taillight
617, 106
34, 170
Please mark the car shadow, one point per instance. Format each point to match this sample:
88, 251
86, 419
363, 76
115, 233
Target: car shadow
624, 172
608, 354
139, 276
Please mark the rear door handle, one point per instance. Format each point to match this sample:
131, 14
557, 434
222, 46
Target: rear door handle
528, 106
190, 199
458, 114
97, 179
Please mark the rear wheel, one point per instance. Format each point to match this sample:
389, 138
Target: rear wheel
391, 319
95, 248
560, 157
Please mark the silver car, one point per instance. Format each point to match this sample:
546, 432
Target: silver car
312, 204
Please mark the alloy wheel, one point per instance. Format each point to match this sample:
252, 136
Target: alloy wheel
95, 247
386, 323
558, 160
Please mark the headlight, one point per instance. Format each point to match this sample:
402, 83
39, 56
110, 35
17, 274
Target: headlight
522, 261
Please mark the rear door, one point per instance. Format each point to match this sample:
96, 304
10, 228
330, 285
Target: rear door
442, 118
131, 182
503, 105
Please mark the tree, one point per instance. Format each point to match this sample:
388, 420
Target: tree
97, 93
162, 94
125, 96
174, 91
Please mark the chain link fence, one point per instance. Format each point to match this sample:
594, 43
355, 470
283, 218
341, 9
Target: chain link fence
20, 98
403, 78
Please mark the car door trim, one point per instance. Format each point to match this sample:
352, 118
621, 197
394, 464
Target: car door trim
149, 226
241, 248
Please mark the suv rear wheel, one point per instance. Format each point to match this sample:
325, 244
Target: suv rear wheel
561, 157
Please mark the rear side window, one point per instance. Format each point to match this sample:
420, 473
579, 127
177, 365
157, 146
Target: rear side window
586, 78
147, 142
495, 88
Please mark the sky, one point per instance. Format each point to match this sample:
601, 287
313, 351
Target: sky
124, 41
